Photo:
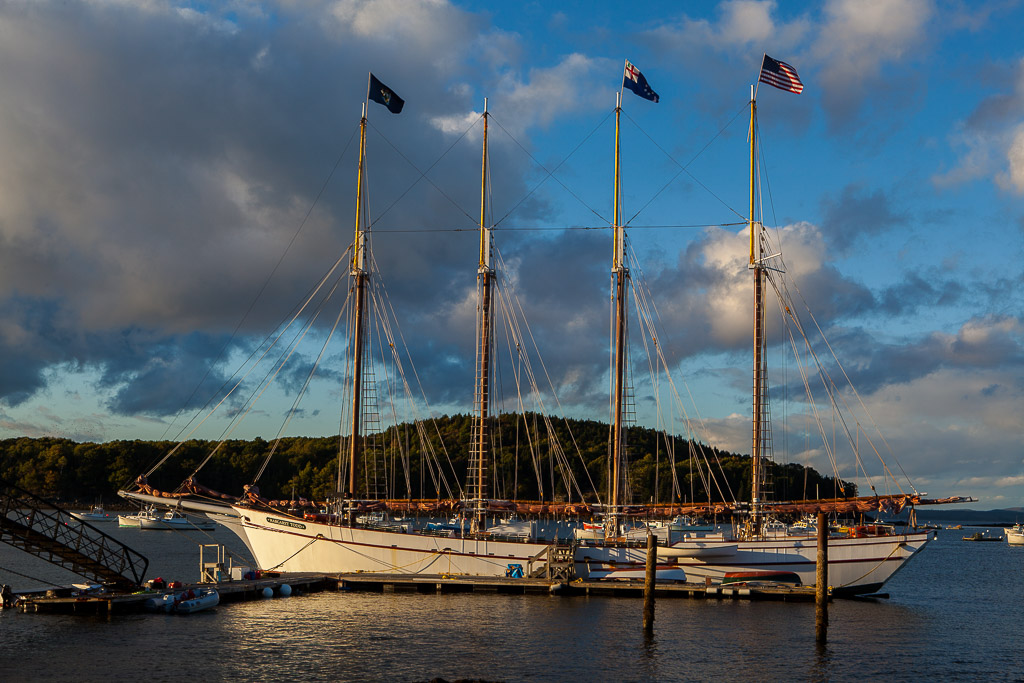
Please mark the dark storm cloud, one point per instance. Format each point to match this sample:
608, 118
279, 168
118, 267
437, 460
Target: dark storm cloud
982, 344
918, 291
857, 213
160, 375
158, 160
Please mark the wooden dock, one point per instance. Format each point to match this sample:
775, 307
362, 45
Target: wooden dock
444, 583
69, 601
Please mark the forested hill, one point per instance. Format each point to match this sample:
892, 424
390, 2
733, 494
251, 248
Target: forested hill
67, 471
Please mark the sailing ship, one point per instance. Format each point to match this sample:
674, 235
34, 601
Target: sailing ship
335, 541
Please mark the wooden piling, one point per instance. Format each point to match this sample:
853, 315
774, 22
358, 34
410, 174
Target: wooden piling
821, 582
652, 565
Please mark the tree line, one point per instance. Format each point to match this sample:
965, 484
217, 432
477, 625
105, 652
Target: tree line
527, 462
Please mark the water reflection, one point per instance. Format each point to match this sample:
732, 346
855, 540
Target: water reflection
941, 624
821, 669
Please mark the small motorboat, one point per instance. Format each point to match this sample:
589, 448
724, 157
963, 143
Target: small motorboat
685, 524
590, 531
151, 519
97, 514
191, 600
981, 536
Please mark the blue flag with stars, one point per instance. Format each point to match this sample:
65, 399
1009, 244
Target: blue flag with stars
635, 81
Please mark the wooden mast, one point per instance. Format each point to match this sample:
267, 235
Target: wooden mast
621, 279
759, 374
484, 279
359, 276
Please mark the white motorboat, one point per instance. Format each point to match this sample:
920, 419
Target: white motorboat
1015, 534
97, 514
151, 519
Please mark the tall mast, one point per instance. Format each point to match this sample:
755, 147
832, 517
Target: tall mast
759, 369
359, 276
484, 279
621, 278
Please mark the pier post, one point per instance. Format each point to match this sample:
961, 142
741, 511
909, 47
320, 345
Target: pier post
652, 565
821, 582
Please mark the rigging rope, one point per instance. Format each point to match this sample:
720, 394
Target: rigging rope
683, 167
551, 173
32, 578
650, 318
423, 174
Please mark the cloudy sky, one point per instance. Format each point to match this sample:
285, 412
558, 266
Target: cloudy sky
176, 175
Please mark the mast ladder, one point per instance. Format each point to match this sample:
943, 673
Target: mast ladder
480, 447
373, 452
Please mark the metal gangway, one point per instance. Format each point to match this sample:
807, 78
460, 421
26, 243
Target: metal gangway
40, 528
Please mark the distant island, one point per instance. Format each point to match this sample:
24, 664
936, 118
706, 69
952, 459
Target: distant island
83, 473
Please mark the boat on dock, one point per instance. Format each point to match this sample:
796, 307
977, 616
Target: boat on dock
609, 543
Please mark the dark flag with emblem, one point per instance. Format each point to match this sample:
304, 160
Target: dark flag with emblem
635, 81
385, 95
780, 75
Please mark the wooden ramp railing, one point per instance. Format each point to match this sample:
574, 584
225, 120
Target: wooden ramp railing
40, 528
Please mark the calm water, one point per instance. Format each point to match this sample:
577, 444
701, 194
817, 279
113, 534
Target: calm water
955, 614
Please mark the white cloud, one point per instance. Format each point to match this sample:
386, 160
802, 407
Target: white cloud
208, 22
547, 93
454, 124
858, 35
856, 39
991, 141
722, 304
740, 24
431, 30
1013, 178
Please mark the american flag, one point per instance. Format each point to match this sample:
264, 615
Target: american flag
780, 75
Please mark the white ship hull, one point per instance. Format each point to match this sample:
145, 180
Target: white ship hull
287, 544
855, 565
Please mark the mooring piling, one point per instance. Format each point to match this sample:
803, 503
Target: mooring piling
652, 564
821, 582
